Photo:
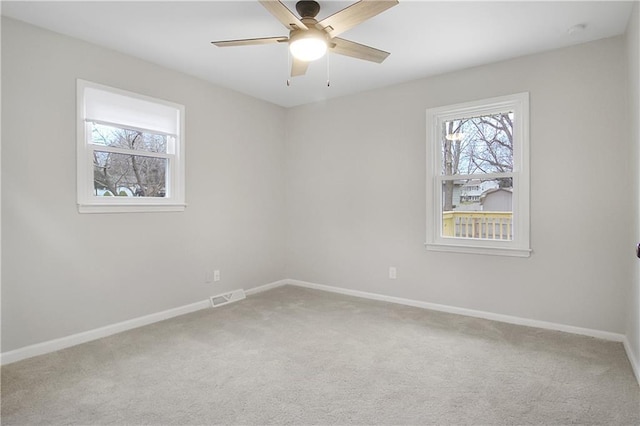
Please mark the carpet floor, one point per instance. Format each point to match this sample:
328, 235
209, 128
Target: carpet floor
298, 356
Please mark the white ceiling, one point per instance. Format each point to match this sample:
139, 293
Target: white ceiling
424, 37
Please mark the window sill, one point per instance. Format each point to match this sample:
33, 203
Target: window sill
130, 208
486, 250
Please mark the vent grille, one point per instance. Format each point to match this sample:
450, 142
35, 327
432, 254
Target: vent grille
226, 298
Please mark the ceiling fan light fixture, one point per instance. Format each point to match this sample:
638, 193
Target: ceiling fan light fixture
309, 39
455, 136
309, 47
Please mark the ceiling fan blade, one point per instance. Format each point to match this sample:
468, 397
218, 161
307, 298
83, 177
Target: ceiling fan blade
250, 41
283, 14
353, 15
298, 67
357, 50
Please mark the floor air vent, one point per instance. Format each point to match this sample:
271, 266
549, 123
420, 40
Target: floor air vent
223, 299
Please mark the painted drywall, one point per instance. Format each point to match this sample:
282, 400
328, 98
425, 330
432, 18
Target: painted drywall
343, 180
65, 272
633, 56
356, 192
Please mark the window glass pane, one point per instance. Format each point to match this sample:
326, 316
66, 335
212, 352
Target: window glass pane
117, 137
478, 145
128, 175
478, 208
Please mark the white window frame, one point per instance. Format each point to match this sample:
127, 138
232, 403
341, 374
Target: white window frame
90, 203
436, 117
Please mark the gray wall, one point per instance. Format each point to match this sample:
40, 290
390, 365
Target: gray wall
356, 192
65, 272
633, 49
331, 193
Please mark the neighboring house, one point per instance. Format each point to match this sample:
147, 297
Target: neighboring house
497, 200
467, 195
470, 192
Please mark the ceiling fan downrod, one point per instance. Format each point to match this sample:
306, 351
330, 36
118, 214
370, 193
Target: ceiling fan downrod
307, 8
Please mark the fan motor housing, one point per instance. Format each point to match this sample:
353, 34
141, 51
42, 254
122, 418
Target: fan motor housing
307, 8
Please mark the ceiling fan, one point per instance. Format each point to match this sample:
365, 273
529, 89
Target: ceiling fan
309, 39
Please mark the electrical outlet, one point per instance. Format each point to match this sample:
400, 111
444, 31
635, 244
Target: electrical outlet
208, 276
392, 272
216, 275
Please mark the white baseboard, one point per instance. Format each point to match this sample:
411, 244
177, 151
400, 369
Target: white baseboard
635, 362
98, 333
266, 287
606, 335
87, 336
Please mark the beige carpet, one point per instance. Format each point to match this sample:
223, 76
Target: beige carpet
299, 356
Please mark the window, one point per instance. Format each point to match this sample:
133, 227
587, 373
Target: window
130, 151
478, 177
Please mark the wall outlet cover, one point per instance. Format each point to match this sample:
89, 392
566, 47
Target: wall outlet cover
393, 273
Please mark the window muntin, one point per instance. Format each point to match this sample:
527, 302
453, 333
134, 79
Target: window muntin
478, 177
130, 151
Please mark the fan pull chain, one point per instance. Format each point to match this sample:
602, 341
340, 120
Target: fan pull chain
288, 67
328, 77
